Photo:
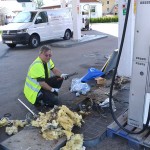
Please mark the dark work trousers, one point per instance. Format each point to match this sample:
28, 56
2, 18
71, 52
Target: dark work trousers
50, 98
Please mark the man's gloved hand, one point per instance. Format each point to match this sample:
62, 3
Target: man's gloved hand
55, 91
64, 76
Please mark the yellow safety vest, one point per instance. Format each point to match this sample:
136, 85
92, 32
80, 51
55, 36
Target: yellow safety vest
36, 70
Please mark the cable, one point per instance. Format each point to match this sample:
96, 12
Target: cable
3, 147
113, 79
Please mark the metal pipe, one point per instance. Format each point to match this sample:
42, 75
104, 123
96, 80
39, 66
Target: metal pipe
27, 108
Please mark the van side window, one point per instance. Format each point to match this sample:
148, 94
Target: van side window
41, 18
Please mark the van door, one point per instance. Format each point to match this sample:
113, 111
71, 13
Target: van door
41, 26
56, 23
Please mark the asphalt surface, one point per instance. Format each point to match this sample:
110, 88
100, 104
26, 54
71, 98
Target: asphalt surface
14, 64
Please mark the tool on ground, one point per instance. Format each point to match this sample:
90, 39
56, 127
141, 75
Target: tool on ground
69, 75
7, 115
34, 115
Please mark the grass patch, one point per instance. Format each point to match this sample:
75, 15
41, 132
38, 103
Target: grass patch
104, 19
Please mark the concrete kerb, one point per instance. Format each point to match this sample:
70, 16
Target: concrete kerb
30, 138
84, 39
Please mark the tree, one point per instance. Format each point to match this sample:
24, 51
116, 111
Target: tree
39, 3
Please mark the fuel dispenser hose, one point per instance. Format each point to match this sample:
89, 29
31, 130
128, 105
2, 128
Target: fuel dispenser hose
113, 80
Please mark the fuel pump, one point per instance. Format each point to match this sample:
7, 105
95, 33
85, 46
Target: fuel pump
139, 99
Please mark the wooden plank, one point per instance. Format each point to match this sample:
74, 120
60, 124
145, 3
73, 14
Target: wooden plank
134, 144
110, 133
122, 119
147, 141
124, 133
136, 141
139, 137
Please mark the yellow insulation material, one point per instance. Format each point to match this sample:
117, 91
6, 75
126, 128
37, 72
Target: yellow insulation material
75, 143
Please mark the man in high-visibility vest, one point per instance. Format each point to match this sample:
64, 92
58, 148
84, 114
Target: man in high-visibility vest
39, 85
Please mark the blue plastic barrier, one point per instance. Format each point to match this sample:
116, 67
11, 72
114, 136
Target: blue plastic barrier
92, 73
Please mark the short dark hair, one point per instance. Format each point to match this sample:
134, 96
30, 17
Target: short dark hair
44, 49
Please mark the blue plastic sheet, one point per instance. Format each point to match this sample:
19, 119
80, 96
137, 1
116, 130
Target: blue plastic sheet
92, 73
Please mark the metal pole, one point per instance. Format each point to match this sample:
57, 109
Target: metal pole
27, 107
76, 14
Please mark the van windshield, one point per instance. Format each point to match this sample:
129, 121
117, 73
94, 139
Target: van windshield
23, 17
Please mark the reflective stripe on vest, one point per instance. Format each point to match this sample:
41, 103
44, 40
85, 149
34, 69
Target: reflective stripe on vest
49, 66
31, 87
33, 80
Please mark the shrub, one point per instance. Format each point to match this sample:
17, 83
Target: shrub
104, 19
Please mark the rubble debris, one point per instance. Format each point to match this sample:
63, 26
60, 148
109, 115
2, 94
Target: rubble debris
57, 122
101, 81
68, 134
119, 81
4, 121
84, 113
19, 123
54, 124
46, 120
52, 134
67, 118
86, 104
14, 128
105, 103
11, 130
75, 143
78, 87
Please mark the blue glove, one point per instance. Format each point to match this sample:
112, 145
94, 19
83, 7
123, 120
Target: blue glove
64, 76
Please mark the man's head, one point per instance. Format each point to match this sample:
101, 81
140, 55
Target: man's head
45, 53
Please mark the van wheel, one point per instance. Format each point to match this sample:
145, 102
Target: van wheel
67, 35
11, 45
34, 41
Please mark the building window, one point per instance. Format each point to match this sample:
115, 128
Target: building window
107, 2
92, 9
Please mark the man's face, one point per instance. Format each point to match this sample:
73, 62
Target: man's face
45, 56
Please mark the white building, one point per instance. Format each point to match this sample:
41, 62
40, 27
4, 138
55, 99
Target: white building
14, 6
9, 8
91, 7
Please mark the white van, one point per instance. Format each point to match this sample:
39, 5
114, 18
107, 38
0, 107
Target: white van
33, 27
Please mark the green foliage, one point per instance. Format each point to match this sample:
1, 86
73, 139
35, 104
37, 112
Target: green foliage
39, 3
0, 32
104, 19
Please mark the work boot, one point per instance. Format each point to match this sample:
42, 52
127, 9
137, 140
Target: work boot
39, 103
52, 102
